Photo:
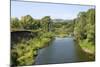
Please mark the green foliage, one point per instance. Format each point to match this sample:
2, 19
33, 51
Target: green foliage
15, 23
87, 46
26, 21
84, 29
46, 23
63, 28
25, 51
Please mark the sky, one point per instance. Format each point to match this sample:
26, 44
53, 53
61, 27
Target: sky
39, 10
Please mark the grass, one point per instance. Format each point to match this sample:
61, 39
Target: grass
87, 46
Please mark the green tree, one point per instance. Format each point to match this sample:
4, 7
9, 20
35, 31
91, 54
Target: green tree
91, 25
15, 23
26, 21
84, 28
46, 23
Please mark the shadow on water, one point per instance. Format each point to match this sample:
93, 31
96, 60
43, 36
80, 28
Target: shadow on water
82, 55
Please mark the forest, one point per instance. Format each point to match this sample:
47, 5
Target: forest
28, 34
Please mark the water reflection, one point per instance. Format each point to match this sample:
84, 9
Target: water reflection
61, 50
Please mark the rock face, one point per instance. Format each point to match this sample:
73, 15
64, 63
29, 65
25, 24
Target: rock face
17, 36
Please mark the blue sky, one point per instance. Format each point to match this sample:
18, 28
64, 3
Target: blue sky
39, 10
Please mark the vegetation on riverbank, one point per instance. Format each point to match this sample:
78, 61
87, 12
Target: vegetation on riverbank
87, 47
84, 30
35, 34
24, 53
42, 31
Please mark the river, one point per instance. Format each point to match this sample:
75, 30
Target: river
61, 50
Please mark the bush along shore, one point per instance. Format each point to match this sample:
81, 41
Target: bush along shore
84, 30
87, 47
25, 52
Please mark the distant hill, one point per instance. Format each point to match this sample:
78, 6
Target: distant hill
61, 20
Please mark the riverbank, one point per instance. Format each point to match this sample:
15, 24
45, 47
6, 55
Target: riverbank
88, 48
61, 35
25, 52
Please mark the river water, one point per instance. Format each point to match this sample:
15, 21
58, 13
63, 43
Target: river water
61, 50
